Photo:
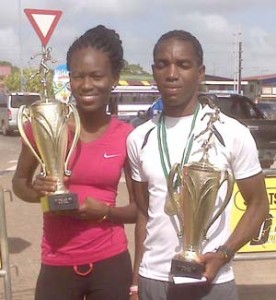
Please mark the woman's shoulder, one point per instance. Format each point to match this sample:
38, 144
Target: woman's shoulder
120, 125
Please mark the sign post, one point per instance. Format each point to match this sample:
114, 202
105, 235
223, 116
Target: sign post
44, 22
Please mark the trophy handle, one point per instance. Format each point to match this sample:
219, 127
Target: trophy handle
227, 176
72, 110
22, 112
172, 202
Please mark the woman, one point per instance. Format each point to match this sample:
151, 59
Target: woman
84, 253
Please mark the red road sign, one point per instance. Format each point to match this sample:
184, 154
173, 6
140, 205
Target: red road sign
44, 22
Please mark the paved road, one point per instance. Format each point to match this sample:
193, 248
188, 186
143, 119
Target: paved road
256, 279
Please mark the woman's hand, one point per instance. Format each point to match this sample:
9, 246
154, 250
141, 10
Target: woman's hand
44, 185
134, 297
93, 209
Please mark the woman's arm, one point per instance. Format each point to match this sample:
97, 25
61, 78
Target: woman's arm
94, 209
26, 187
23, 177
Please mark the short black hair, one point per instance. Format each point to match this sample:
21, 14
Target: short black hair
102, 38
182, 36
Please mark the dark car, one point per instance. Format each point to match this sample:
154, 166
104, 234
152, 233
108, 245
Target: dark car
237, 106
268, 108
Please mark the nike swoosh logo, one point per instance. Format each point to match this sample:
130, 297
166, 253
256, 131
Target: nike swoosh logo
110, 155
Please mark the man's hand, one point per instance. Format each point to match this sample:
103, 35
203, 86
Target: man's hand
213, 262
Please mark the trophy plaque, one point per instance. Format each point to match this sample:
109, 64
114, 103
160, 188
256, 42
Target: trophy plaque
193, 201
49, 121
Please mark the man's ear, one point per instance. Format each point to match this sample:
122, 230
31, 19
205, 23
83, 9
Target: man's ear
153, 70
201, 71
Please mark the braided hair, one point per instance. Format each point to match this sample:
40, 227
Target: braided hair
182, 36
104, 39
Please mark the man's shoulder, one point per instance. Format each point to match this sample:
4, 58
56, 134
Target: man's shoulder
224, 121
139, 133
231, 123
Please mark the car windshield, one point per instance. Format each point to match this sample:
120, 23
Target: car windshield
18, 100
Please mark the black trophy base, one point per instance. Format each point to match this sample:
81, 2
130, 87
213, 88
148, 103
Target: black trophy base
186, 269
60, 202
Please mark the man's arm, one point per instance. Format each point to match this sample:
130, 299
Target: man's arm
253, 191
142, 201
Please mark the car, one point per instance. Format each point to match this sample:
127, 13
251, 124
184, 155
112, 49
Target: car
9, 106
268, 108
246, 111
236, 106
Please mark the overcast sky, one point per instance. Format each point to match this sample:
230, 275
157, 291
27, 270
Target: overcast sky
216, 23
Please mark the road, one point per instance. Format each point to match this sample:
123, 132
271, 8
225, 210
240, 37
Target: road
256, 279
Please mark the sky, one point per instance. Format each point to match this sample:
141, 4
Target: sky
219, 25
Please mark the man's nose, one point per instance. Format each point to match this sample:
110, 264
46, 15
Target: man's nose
172, 72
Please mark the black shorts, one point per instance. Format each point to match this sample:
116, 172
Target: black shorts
109, 279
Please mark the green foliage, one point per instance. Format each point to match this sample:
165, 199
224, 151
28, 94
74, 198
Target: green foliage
5, 63
13, 82
133, 69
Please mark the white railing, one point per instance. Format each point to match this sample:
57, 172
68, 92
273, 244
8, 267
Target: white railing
4, 256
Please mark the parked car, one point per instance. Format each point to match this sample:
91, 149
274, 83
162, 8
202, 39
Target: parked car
268, 108
262, 128
9, 105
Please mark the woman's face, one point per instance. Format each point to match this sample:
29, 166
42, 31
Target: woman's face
91, 79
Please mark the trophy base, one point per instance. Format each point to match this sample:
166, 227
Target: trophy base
186, 269
60, 202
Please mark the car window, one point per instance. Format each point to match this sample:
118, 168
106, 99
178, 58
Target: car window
238, 107
18, 100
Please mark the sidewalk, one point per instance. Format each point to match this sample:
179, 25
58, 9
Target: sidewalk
256, 279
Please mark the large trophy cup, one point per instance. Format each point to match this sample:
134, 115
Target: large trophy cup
194, 204
49, 124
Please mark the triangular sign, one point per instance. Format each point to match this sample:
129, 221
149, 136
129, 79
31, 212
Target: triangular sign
44, 22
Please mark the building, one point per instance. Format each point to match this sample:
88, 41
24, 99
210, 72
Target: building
217, 84
262, 87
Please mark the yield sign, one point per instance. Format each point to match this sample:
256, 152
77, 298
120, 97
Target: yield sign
44, 22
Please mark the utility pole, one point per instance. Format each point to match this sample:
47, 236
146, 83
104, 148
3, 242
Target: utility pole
238, 64
239, 90
20, 45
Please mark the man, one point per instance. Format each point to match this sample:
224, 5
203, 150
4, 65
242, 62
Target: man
155, 146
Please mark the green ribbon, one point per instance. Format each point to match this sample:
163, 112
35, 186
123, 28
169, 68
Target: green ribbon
163, 144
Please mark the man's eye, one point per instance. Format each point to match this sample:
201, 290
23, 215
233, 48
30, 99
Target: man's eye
185, 65
160, 65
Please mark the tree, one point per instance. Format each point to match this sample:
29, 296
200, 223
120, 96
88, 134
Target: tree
133, 69
34, 85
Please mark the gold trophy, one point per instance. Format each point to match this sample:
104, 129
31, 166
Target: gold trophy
194, 204
49, 122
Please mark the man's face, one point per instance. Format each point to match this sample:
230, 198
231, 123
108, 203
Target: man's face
177, 74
